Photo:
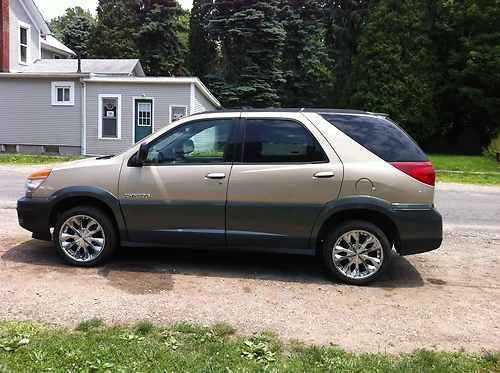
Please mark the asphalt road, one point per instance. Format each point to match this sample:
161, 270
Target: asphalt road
462, 206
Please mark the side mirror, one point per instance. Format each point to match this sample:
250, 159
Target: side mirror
142, 155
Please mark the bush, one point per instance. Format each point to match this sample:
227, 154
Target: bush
493, 148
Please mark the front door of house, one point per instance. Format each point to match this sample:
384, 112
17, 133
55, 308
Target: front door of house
143, 118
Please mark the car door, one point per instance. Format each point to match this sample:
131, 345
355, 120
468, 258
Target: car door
178, 197
287, 173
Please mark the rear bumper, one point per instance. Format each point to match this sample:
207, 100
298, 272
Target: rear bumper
34, 215
420, 228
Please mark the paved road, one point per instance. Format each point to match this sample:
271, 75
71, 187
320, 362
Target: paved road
463, 206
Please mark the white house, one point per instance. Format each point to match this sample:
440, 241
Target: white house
53, 103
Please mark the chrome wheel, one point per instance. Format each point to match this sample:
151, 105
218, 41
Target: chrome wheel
358, 254
82, 238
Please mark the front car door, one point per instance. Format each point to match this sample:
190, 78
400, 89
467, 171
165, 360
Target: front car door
178, 198
287, 173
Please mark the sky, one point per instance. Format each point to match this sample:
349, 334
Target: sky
54, 8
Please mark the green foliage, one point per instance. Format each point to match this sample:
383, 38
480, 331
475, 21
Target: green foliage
118, 349
7, 158
74, 29
113, 36
251, 37
493, 148
202, 49
144, 327
305, 60
88, 325
394, 71
157, 39
468, 41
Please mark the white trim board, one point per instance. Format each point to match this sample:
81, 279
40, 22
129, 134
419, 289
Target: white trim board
26, 26
118, 116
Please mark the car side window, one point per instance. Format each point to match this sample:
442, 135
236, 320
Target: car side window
280, 141
199, 142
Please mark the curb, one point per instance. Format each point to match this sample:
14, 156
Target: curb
8, 205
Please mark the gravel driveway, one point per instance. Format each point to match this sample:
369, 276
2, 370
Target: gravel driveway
448, 299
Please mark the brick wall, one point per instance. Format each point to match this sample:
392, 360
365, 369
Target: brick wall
4, 36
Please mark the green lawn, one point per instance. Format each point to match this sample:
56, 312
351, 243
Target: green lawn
475, 169
27, 159
34, 347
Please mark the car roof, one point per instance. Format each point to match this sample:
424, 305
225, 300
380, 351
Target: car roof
295, 110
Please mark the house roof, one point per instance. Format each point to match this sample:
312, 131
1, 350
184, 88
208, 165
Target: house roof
35, 15
70, 66
158, 80
52, 44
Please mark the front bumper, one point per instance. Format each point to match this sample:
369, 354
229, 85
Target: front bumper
420, 228
34, 215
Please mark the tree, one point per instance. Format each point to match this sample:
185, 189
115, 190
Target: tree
114, 34
251, 37
395, 70
74, 29
157, 39
468, 43
202, 49
346, 20
305, 57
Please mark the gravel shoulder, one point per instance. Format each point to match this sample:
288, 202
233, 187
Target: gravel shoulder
448, 299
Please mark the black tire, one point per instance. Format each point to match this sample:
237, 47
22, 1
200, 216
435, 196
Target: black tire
108, 227
339, 231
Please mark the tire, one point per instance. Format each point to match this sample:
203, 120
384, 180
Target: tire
85, 249
368, 269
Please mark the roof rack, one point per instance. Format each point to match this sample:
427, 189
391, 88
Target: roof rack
293, 110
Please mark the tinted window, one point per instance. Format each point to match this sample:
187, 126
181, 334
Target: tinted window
193, 143
273, 140
379, 135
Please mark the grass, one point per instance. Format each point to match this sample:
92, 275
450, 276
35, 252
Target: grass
36, 347
473, 169
28, 159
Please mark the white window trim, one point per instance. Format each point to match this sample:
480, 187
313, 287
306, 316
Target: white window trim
118, 117
71, 86
170, 112
28, 42
134, 99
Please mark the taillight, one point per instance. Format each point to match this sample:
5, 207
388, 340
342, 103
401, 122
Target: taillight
422, 171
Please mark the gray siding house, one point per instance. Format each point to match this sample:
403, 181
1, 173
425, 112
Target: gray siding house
90, 107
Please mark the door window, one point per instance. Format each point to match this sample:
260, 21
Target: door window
200, 142
280, 141
144, 114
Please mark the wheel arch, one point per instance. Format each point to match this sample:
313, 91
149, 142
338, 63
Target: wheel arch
371, 209
68, 198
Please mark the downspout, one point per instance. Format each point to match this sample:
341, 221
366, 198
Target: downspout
84, 118
192, 100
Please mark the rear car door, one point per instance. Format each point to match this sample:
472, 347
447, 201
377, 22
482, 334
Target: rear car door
178, 198
287, 173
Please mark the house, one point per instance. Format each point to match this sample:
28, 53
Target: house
51, 102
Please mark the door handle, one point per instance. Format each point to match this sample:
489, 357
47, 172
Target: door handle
324, 175
216, 175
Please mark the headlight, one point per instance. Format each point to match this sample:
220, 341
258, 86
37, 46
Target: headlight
36, 179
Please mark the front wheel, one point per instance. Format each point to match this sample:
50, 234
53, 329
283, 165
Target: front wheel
357, 252
85, 236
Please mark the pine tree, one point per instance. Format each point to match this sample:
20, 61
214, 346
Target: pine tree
251, 38
305, 57
113, 36
157, 37
394, 71
345, 22
202, 49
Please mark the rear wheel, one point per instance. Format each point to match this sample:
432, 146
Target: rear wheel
357, 252
85, 236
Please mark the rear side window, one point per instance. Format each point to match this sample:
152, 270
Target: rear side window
280, 141
380, 136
